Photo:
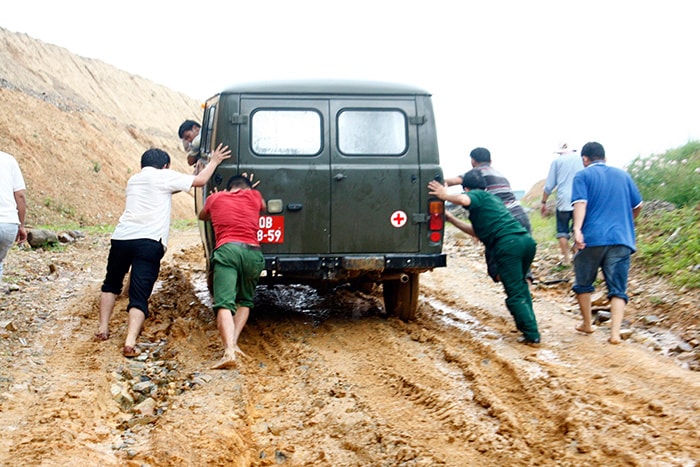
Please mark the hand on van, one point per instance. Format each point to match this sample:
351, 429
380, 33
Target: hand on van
220, 154
252, 175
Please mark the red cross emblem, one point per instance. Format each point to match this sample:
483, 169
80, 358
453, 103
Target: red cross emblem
398, 219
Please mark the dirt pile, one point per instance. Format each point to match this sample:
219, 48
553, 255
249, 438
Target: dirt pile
78, 127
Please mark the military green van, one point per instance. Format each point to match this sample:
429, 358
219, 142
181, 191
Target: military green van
344, 168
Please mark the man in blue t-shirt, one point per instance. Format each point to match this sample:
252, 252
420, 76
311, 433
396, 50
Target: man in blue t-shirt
606, 201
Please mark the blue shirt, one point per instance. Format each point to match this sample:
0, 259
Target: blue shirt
561, 176
610, 195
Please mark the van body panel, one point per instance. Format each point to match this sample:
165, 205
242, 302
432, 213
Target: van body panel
344, 168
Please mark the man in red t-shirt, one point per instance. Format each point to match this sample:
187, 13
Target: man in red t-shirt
237, 260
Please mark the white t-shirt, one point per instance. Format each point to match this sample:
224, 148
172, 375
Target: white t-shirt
148, 204
11, 180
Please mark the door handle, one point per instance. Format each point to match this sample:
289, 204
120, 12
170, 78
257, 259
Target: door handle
339, 177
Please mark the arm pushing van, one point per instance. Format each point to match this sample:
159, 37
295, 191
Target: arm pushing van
344, 167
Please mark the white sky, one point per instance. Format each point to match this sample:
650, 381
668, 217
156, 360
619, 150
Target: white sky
514, 76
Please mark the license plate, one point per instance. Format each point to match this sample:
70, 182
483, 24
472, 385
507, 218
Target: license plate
271, 229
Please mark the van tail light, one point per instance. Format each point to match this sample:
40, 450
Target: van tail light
437, 220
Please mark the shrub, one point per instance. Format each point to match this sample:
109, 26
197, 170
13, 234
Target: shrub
673, 176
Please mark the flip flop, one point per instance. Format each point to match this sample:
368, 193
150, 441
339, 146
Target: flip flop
131, 352
580, 329
102, 336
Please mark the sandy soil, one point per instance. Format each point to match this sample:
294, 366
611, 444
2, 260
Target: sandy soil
328, 379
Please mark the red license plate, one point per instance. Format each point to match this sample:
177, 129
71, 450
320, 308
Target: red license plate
271, 229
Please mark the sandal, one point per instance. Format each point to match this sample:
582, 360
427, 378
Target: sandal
131, 352
102, 336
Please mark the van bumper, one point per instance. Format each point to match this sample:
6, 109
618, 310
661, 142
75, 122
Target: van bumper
374, 263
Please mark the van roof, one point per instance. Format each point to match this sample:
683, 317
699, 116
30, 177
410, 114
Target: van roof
324, 86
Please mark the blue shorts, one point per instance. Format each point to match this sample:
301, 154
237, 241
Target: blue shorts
614, 260
565, 221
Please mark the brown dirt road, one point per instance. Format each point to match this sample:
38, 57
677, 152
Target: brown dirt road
328, 381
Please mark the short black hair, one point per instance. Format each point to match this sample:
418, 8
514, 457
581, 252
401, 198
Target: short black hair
594, 151
186, 126
238, 181
156, 158
480, 155
474, 180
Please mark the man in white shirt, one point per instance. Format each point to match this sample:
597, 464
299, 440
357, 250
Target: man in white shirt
141, 237
13, 205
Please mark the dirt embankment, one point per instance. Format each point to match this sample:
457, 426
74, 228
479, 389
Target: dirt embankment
78, 127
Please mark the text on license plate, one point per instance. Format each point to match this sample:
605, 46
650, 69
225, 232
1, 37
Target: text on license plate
271, 229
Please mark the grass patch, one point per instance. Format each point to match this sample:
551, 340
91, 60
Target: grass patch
183, 224
668, 245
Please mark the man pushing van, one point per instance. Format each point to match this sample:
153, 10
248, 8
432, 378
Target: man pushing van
237, 259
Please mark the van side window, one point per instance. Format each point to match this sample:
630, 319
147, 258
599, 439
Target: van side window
286, 132
372, 132
206, 134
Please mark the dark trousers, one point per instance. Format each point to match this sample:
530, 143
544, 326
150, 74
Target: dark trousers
513, 255
143, 257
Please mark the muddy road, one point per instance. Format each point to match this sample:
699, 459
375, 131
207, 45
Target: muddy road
328, 380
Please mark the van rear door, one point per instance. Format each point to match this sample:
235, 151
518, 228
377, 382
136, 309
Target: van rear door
284, 142
374, 178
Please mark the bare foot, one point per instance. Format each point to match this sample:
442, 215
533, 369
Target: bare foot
614, 341
581, 328
228, 360
241, 353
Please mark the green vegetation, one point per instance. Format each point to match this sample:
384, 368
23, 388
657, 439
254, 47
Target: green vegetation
57, 206
183, 224
668, 244
673, 176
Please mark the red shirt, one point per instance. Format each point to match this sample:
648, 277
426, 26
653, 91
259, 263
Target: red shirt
235, 215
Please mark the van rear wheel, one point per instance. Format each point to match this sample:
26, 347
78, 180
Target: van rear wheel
401, 298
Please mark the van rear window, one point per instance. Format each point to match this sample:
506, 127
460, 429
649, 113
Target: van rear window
372, 132
286, 132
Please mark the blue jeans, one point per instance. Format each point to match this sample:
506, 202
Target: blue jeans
8, 234
614, 260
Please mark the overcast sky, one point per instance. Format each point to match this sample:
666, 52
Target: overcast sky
515, 76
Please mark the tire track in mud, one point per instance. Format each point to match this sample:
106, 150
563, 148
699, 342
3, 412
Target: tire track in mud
329, 381
62, 413
582, 418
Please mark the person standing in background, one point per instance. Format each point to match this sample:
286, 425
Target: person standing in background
561, 178
13, 205
606, 202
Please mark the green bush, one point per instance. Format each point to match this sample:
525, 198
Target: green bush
673, 176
